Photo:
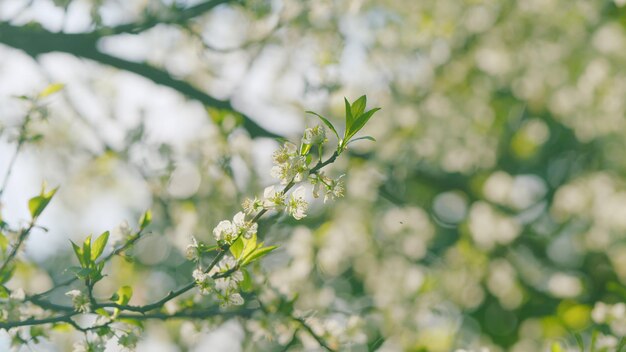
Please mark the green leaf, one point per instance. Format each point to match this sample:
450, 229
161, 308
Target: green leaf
87, 251
79, 253
349, 117
124, 295
51, 89
4, 242
102, 312
249, 246
7, 274
259, 253
4, 292
36, 332
62, 327
82, 273
358, 107
37, 204
305, 149
369, 138
103, 330
360, 122
326, 122
99, 245
73, 269
237, 247
145, 219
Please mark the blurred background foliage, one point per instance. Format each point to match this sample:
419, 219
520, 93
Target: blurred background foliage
490, 213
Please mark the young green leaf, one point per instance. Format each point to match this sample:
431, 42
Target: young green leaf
102, 312
122, 297
4, 292
99, 245
326, 122
349, 117
249, 246
145, 219
360, 122
7, 274
369, 138
36, 205
304, 149
51, 89
358, 107
237, 247
4, 242
79, 254
87, 252
257, 254
124, 294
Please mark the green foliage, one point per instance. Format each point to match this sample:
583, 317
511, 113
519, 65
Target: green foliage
36, 205
87, 255
99, 245
356, 118
246, 251
50, 90
145, 220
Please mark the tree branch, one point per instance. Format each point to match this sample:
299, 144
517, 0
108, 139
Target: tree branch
33, 321
178, 16
193, 314
36, 41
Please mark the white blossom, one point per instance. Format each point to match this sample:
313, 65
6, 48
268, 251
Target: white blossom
246, 229
227, 287
314, 135
297, 206
289, 165
120, 234
251, 206
80, 301
332, 188
284, 153
191, 252
225, 231
273, 199
230, 282
229, 231
234, 299
203, 281
336, 189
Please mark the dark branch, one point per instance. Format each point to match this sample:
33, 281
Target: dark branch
36, 41
33, 321
176, 16
191, 314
